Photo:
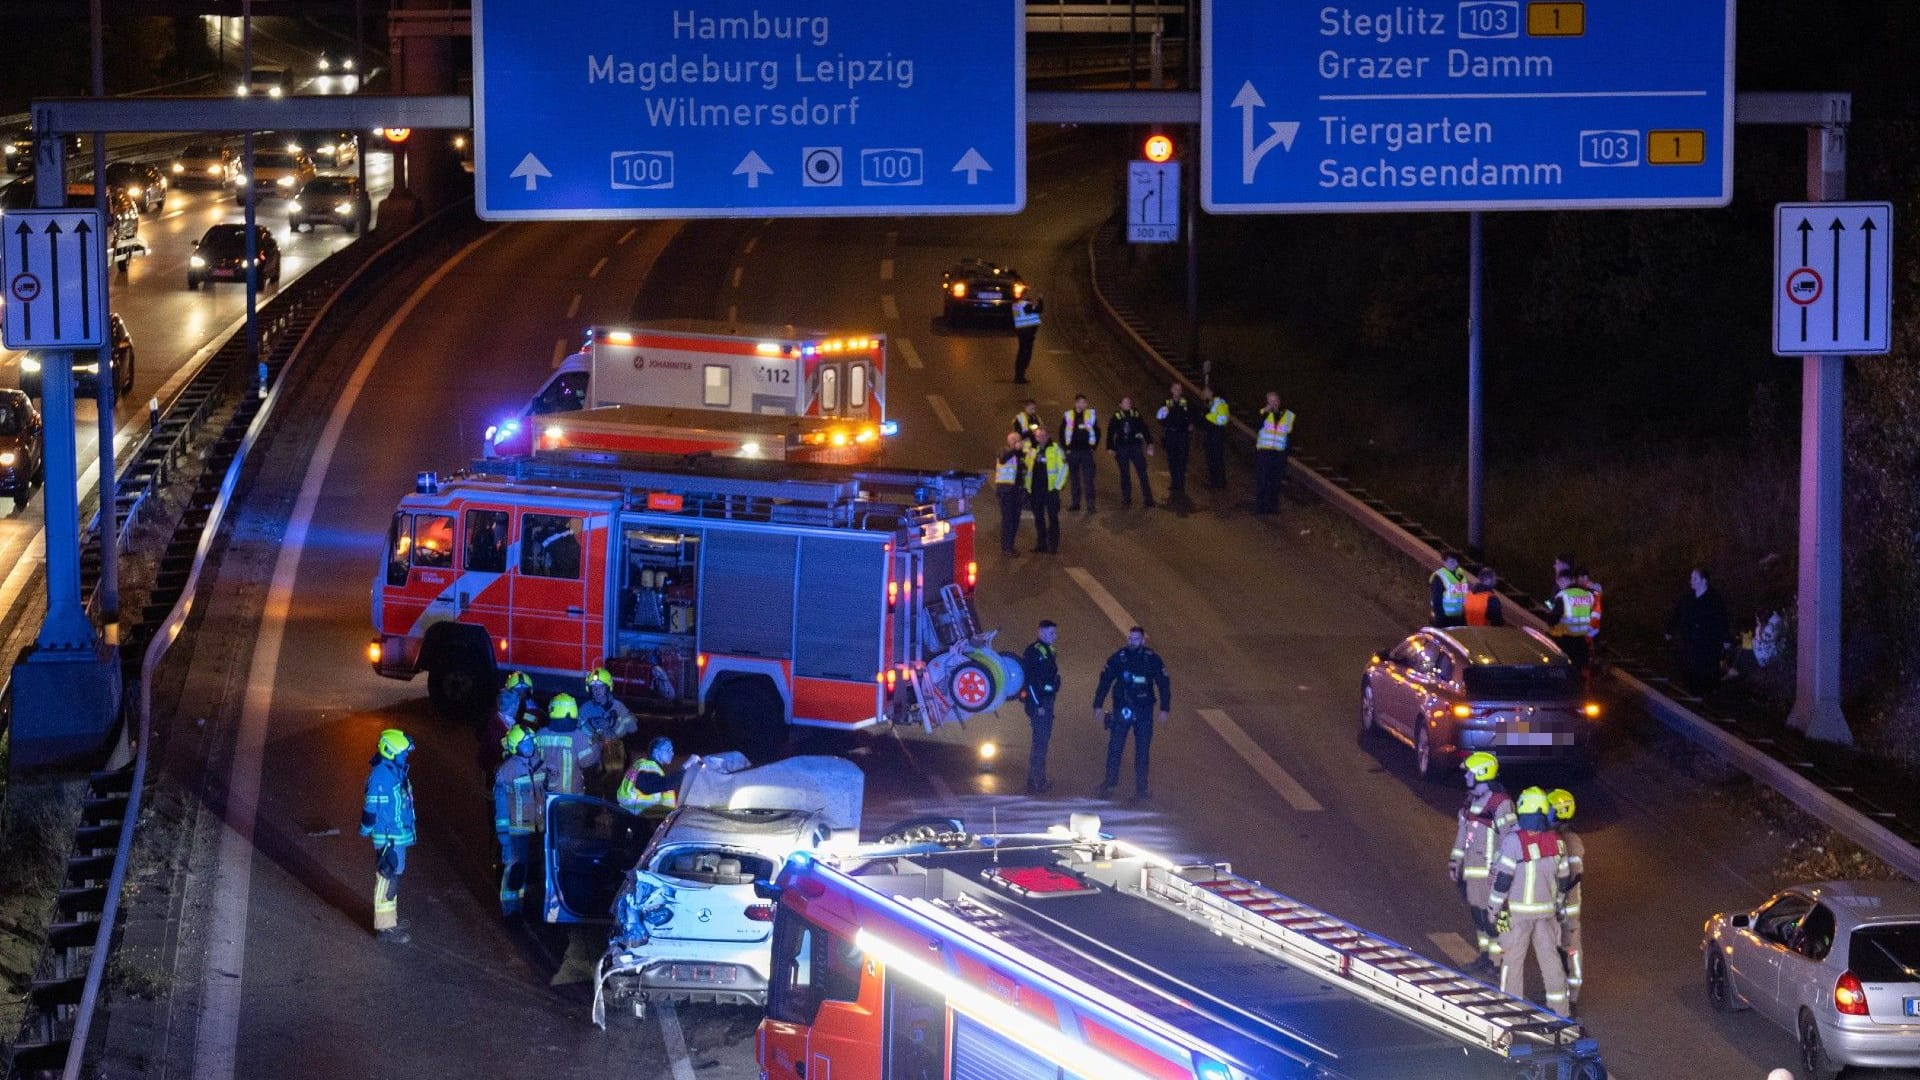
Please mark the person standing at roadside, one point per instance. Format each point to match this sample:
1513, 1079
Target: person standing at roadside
1026, 326
1009, 475
1213, 437
1176, 434
1270, 454
1447, 592
1138, 679
1699, 623
1041, 664
1483, 602
1560, 807
1080, 430
1567, 616
1026, 420
1046, 475
387, 818
1132, 444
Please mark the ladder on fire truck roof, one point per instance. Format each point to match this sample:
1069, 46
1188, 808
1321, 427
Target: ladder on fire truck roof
1250, 913
736, 488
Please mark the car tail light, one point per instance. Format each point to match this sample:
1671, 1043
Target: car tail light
973, 574
1461, 712
1591, 710
1849, 997
760, 912
959, 288
1019, 290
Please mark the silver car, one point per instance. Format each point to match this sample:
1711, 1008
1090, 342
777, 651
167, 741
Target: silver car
1836, 963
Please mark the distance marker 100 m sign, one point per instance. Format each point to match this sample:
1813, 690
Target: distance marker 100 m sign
1466, 105
626, 109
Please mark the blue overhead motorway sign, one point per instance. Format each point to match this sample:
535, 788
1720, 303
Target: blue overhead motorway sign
642, 109
1465, 105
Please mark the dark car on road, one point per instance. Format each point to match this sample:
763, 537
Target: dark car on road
142, 182
21, 454
976, 286
328, 149
86, 365
206, 165
19, 148
1507, 690
327, 200
123, 215
221, 255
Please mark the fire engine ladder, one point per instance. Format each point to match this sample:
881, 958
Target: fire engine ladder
719, 488
1392, 974
1161, 1005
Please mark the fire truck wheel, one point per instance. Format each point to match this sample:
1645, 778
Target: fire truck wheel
461, 685
750, 713
971, 686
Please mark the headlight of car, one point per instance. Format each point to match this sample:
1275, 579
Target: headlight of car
214, 170
8, 457
295, 205
239, 178
241, 90
273, 92
178, 168
344, 208
285, 181
30, 363
196, 262
136, 193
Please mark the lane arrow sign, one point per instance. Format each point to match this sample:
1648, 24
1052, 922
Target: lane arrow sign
531, 169
53, 263
26, 266
753, 167
1247, 100
1866, 280
1837, 228
973, 165
86, 292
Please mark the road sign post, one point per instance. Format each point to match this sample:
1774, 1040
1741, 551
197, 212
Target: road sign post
612, 109
1832, 266
1479, 105
1153, 202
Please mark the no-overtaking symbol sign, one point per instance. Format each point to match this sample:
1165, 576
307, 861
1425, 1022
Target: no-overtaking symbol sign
1832, 284
54, 263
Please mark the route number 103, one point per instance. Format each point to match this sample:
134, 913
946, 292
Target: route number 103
1609, 149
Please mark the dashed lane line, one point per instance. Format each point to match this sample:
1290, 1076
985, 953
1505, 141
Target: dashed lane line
752, 242
626, 236
599, 266
1262, 762
737, 271
216, 1037
908, 351
888, 308
886, 269
573, 306
945, 412
678, 1063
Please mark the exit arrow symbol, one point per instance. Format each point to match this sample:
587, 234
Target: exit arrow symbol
530, 169
26, 266
973, 165
753, 167
1247, 100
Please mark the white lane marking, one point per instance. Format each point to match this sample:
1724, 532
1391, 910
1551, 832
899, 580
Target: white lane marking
597, 267
626, 236
888, 308
1102, 599
912, 354
573, 306
752, 242
886, 269
216, 1037
679, 1064
945, 412
737, 271
1251, 752
1458, 951
559, 350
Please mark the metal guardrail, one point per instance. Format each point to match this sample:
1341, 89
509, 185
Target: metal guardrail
1836, 804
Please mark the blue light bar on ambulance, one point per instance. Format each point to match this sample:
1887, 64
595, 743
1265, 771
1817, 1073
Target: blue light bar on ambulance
889, 428
426, 483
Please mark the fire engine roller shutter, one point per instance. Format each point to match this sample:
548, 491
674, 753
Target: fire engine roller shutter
746, 594
982, 1054
938, 567
840, 610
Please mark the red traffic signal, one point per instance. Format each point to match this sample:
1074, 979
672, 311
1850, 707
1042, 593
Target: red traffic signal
1158, 148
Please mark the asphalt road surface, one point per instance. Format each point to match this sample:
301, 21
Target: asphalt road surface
1264, 624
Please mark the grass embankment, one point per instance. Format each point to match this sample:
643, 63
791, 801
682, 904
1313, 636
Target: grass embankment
36, 830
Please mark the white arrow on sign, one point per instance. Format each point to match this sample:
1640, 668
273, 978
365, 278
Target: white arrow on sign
1247, 100
532, 170
973, 165
753, 168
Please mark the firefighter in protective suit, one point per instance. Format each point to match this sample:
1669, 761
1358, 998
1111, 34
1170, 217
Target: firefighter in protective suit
519, 805
568, 749
609, 721
1530, 878
1560, 805
1485, 817
387, 818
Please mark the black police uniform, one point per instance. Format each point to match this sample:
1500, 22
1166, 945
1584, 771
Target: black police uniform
1176, 434
1042, 664
1079, 434
1138, 679
1128, 438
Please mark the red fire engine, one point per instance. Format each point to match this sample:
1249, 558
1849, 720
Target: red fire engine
760, 593
1073, 954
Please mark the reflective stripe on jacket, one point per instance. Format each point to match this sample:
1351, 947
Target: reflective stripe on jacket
1576, 855
1056, 465
519, 795
1453, 590
1530, 873
1275, 428
632, 798
1080, 430
1482, 821
1008, 469
388, 816
566, 754
1575, 606
1217, 414
1023, 424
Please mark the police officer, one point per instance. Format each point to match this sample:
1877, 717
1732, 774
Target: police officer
1176, 434
1213, 437
1026, 326
1529, 884
1080, 430
609, 721
567, 748
1569, 615
649, 788
1270, 454
1560, 806
1132, 444
1042, 668
1009, 476
1447, 592
387, 818
519, 809
1138, 680
1026, 420
1046, 475
1485, 817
